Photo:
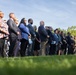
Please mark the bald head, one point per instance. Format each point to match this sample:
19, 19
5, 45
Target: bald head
42, 23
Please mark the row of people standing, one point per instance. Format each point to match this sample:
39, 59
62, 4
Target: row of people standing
18, 35
27, 40
60, 43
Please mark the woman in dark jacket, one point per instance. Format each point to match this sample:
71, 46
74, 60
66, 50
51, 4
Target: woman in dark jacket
37, 42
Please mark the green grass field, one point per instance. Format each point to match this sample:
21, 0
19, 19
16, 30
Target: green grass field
49, 65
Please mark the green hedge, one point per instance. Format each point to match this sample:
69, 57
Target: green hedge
49, 65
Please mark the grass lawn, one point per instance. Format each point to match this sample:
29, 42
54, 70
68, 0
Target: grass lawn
49, 65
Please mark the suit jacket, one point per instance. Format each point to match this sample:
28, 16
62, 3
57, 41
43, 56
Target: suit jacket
68, 40
19, 35
50, 39
13, 29
43, 33
32, 32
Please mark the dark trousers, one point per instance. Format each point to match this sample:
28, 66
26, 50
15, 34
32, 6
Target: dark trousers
70, 49
12, 46
16, 48
24, 44
2, 41
52, 49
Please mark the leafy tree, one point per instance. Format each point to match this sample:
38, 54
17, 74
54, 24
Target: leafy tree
72, 30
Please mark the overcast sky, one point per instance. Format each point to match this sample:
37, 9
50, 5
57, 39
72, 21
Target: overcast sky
55, 13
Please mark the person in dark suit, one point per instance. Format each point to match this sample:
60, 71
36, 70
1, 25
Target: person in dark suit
18, 42
50, 39
43, 36
37, 42
31, 29
33, 36
70, 43
13, 30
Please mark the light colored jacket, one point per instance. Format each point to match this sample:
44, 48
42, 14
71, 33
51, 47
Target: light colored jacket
3, 29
